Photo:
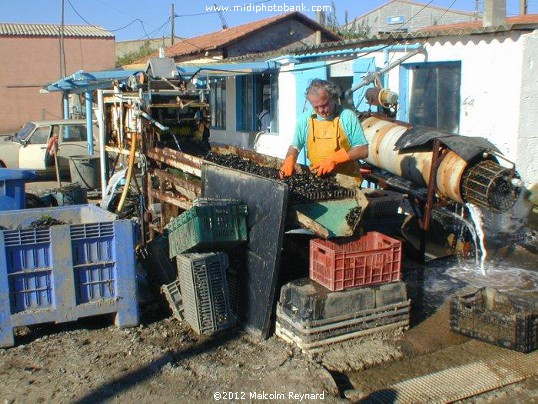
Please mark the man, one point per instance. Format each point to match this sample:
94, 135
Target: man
333, 135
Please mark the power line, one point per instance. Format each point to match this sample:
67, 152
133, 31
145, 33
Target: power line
77, 13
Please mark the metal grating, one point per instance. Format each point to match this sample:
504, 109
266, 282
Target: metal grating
457, 383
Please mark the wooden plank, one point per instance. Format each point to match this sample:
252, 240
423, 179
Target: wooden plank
299, 219
184, 162
189, 189
171, 200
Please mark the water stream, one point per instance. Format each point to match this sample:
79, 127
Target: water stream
479, 236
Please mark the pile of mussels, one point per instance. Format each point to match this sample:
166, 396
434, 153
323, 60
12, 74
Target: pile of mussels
302, 187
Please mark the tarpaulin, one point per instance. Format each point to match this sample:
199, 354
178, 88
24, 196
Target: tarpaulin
422, 137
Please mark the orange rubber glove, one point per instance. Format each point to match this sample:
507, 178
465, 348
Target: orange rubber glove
288, 167
328, 165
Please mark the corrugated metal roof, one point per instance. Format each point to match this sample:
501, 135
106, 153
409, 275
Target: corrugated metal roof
53, 30
522, 23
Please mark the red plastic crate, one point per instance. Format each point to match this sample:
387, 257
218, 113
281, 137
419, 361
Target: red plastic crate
338, 265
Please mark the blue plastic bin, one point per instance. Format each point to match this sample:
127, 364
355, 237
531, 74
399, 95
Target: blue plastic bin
61, 273
12, 184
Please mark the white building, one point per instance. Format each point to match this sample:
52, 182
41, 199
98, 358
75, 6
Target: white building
470, 79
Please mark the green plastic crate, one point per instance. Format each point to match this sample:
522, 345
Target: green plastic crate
207, 227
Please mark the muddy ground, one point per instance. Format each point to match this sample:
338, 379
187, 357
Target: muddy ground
162, 359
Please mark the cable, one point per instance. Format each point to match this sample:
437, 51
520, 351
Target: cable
449, 7
77, 13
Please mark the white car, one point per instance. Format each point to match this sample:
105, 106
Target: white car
28, 147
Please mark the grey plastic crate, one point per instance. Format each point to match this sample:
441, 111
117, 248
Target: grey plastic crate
172, 293
204, 290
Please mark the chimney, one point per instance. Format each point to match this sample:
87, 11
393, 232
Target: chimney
494, 13
320, 19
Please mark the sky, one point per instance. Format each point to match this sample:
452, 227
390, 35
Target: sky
137, 19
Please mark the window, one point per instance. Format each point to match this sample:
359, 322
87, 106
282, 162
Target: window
248, 90
40, 136
217, 102
435, 95
252, 92
74, 134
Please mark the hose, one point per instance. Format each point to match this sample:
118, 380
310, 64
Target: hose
130, 169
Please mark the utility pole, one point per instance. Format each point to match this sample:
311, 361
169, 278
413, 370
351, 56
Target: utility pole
172, 19
523, 7
62, 43
476, 8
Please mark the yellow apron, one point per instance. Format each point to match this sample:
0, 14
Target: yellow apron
324, 139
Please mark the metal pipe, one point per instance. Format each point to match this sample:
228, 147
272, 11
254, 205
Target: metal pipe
102, 140
153, 121
370, 77
65, 100
89, 121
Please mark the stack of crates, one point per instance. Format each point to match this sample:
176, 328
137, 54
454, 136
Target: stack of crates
353, 289
199, 240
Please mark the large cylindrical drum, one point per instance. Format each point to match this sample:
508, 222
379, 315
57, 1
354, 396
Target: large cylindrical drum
382, 136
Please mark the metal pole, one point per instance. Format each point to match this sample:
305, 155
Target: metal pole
65, 99
102, 141
172, 18
523, 7
89, 121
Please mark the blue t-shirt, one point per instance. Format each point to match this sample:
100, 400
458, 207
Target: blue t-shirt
350, 123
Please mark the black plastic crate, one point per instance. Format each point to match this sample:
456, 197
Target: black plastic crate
382, 203
204, 291
497, 318
155, 260
305, 300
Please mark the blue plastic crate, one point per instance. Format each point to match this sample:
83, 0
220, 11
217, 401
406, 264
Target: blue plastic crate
61, 273
12, 187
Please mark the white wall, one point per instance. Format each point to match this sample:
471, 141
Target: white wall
230, 136
499, 95
499, 91
527, 139
277, 144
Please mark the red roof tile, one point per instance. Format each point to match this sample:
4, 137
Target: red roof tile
227, 36
518, 20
